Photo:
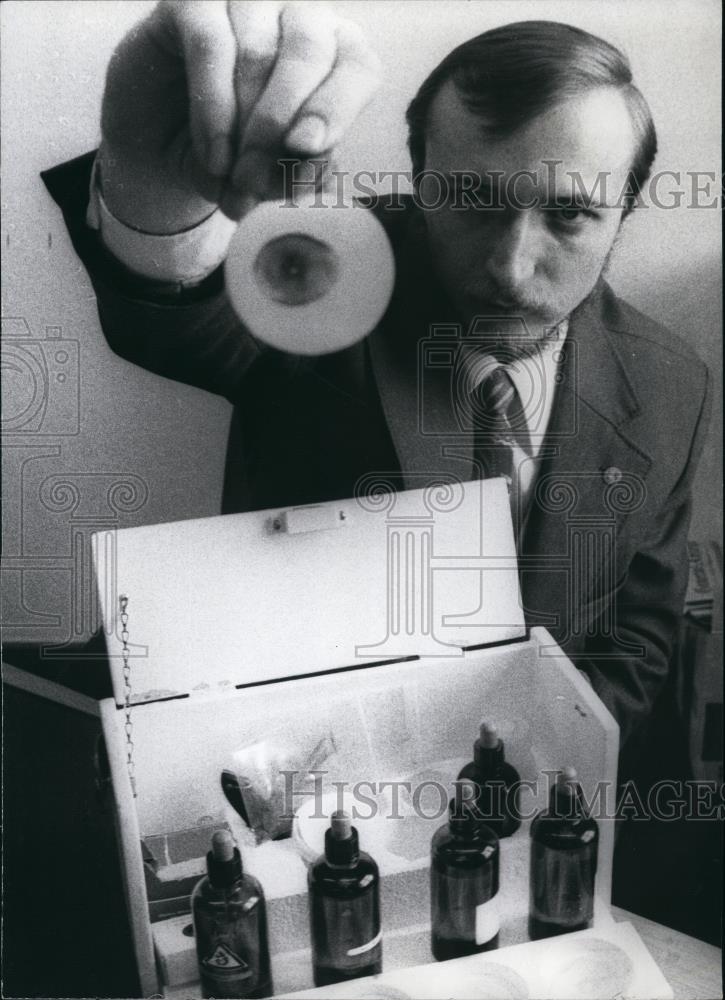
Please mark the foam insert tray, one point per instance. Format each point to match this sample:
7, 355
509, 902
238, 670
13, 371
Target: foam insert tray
603, 964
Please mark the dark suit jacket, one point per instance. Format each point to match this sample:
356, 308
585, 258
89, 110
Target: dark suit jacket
602, 554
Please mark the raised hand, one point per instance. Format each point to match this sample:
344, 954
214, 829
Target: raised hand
204, 95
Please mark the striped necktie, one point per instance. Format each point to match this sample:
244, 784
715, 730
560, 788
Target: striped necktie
494, 407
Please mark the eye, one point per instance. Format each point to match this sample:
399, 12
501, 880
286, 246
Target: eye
572, 216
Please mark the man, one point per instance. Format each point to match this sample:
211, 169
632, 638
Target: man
201, 100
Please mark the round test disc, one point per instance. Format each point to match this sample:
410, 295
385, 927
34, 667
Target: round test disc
590, 968
312, 819
307, 278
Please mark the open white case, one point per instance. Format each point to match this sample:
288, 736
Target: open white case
391, 622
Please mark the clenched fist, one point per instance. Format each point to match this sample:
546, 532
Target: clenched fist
204, 95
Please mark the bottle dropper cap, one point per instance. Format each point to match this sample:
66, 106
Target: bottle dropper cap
488, 748
222, 846
567, 780
223, 862
341, 840
341, 825
565, 793
488, 736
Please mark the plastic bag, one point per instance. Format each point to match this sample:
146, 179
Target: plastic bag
269, 779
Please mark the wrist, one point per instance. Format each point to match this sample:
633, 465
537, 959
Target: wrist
180, 254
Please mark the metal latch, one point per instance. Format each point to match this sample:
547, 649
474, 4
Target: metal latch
299, 520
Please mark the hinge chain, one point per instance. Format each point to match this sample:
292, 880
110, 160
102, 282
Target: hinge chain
128, 726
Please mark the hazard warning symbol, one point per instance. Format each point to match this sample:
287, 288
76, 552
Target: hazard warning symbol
224, 958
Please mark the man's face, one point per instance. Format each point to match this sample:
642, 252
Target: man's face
536, 262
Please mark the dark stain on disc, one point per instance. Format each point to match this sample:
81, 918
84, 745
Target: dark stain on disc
296, 269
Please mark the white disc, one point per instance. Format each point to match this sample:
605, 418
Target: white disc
309, 279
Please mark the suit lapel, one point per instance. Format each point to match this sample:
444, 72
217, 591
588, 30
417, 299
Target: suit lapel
592, 476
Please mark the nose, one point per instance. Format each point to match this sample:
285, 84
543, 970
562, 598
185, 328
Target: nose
512, 260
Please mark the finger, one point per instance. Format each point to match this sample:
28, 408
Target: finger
209, 59
341, 97
256, 28
199, 177
236, 205
251, 182
261, 177
306, 55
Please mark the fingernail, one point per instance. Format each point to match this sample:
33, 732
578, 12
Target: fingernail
308, 135
219, 155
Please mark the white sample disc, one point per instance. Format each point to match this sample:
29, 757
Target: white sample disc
589, 968
312, 818
308, 278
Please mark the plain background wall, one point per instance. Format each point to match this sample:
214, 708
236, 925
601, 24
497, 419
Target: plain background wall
166, 442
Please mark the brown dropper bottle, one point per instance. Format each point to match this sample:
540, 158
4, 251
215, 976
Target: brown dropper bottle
230, 926
344, 894
496, 781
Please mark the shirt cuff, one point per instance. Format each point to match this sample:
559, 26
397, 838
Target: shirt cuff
185, 258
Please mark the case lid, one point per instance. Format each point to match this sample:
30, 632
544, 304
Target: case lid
247, 598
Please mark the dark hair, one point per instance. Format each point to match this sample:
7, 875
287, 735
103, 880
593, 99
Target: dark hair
513, 73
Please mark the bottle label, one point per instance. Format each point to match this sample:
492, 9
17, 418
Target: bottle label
488, 921
463, 909
226, 974
346, 932
232, 953
223, 959
366, 947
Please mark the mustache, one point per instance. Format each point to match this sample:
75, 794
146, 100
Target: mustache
508, 300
